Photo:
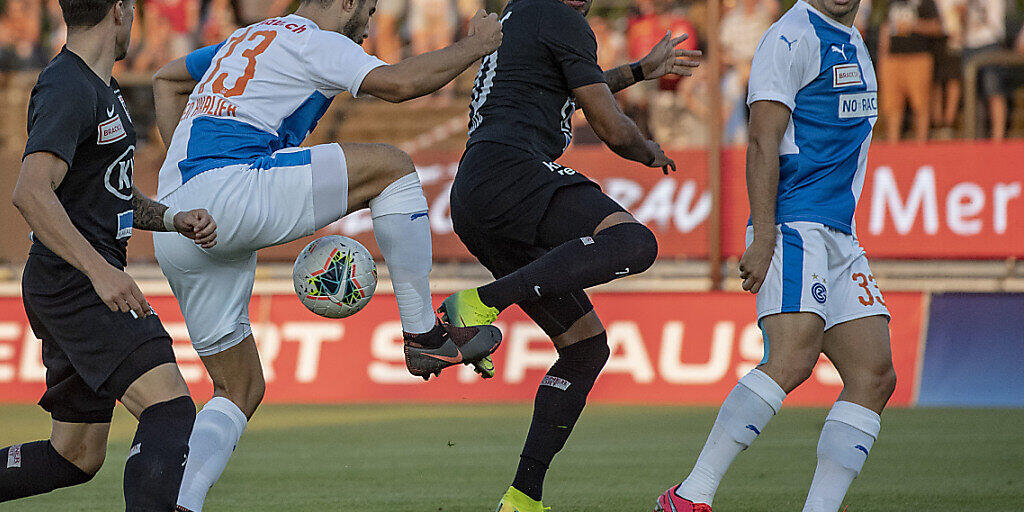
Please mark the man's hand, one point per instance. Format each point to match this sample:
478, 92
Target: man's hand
660, 158
666, 59
118, 291
755, 263
197, 225
485, 30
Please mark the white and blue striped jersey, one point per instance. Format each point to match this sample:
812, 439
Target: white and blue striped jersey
821, 70
261, 90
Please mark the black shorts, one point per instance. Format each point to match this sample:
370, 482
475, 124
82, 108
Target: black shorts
91, 354
507, 228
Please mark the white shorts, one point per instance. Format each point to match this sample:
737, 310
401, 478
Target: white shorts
818, 269
280, 198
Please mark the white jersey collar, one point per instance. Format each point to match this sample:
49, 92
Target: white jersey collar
302, 19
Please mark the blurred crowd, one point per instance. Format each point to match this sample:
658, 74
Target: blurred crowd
921, 49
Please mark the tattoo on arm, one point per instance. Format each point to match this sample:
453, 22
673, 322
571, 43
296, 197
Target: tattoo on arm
619, 78
148, 214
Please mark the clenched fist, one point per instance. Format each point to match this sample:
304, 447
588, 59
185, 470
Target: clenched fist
485, 31
197, 225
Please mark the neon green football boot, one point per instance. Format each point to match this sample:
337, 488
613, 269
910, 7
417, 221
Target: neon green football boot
463, 309
516, 501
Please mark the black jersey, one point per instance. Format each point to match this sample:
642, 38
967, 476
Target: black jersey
523, 92
85, 122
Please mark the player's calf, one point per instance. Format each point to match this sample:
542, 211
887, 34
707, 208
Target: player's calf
560, 400
37, 468
372, 168
159, 451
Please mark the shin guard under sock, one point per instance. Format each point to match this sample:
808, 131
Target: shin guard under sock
35, 468
559, 402
156, 461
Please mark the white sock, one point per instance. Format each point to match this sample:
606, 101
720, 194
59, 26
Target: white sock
402, 230
849, 432
743, 415
214, 436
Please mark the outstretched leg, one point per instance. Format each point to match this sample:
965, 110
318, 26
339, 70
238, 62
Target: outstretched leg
72, 455
795, 342
383, 179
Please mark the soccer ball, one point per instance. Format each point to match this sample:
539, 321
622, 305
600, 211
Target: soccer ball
334, 276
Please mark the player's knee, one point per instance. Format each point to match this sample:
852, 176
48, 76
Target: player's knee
791, 373
637, 247
591, 353
395, 163
882, 382
646, 248
87, 456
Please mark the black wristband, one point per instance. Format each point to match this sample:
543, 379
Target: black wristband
650, 163
638, 72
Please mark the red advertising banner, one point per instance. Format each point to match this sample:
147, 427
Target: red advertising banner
941, 200
667, 348
928, 201
920, 201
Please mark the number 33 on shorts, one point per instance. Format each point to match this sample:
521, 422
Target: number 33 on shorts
818, 269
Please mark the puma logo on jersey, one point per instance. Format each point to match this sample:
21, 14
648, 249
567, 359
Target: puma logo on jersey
787, 41
838, 49
110, 111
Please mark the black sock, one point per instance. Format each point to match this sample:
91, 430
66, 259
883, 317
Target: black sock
560, 401
156, 462
35, 468
433, 338
618, 251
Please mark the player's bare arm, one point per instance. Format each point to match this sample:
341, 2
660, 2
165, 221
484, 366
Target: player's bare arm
41, 173
664, 59
768, 122
196, 224
172, 85
617, 130
423, 74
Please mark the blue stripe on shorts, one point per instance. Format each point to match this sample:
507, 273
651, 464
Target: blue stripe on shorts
792, 268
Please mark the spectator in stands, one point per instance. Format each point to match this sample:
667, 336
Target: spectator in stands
741, 30
432, 25
948, 71
178, 18
646, 26
218, 22
908, 38
20, 36
56, 32
386, 23
984, 23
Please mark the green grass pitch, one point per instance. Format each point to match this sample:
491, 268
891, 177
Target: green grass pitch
452, 458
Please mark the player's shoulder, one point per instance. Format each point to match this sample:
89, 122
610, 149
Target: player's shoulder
64, 80
794, 26
548, 13
330, 42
